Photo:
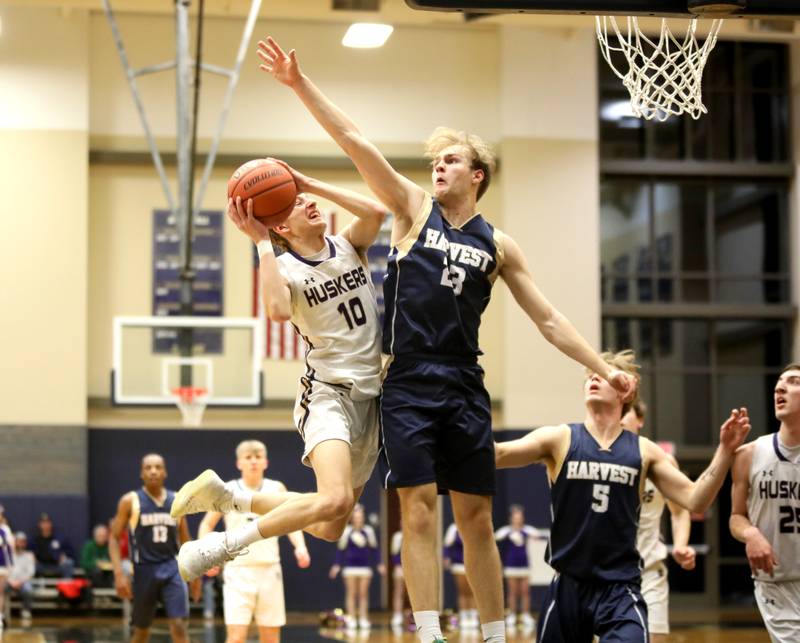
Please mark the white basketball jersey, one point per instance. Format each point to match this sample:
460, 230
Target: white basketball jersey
773, 505
261, 552
335, 311
648, 539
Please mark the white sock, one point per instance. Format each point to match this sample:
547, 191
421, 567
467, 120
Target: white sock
494, 632
242, 498
463, 616
245, 535
473, 615
428, 627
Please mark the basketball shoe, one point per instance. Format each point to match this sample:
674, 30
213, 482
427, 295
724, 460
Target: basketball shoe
207, 492
196, 557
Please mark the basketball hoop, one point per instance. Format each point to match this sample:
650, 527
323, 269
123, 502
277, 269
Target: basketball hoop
664, 76
191, 400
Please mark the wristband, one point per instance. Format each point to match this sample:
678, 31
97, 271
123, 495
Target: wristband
264, 247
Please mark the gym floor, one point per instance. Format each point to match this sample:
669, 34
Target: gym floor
707, 626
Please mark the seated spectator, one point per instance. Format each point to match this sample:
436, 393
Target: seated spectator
6, 560
95, 559
53, 553
19, 579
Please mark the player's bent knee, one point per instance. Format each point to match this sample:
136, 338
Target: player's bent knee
336, 504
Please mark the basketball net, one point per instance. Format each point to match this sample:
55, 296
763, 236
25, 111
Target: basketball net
191, 400
664, 77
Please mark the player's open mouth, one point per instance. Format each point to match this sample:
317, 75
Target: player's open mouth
441, 182
780, 401
594, 388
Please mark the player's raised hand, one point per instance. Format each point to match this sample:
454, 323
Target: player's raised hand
760, 554
734, 430
624, 383
242, 217
284, 67
300, 180
685, 556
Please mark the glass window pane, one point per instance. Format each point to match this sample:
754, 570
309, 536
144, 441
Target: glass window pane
751, 342
683, 343
763, 65
668, 139
682, 408
694, 290
624, 226
621, 133
749, 228
680, 227
763, 129
621, 333
752, 391
752, 291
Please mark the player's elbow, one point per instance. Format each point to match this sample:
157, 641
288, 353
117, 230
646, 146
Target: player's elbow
278, 313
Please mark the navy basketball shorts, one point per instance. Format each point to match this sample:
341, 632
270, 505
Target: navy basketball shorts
154, 582
436, 426
573, 611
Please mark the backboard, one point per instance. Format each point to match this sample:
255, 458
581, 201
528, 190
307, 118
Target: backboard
222, 355
664, 8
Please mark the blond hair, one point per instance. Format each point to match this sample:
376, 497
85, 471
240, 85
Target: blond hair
481, 154
250, 446
624, 361
279, 242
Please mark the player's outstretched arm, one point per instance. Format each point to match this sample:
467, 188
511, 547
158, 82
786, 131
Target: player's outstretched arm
554, 326
122, 583
681, 521
403, 197
697, 496
362, 232
274, 290
759, 552
540, 445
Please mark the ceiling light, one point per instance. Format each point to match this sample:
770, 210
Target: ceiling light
365, 35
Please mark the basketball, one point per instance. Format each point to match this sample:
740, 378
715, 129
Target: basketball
271, 187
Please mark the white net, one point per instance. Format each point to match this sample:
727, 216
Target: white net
663, 76
191, 401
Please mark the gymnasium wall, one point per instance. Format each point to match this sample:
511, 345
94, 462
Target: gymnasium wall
93, 258
44, 121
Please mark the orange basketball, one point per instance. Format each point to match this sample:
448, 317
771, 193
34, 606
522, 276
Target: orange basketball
271, 187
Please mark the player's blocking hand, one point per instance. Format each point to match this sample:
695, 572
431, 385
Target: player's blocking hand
300, 180
284, 67
734, 430
122, 585
624, 383
685, 556
760, 554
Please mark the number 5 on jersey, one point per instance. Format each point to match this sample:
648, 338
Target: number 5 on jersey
600, 498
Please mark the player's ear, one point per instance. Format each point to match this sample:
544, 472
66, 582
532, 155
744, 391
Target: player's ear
478, 175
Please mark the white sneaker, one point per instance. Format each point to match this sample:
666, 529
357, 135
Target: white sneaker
26, 615
364, 624
528, 623
397, 621
511, 621
350, 624
196, 557
207, 492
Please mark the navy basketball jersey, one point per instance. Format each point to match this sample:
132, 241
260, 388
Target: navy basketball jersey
438, 284
154, 533
595, 509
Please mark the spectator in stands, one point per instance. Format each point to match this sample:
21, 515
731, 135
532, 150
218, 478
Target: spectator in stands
95, 559
53, 553
6, 560
22, 571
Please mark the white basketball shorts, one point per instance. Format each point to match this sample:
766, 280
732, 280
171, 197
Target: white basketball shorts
254, 592
326, 412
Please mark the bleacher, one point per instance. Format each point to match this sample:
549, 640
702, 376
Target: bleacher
46, 597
